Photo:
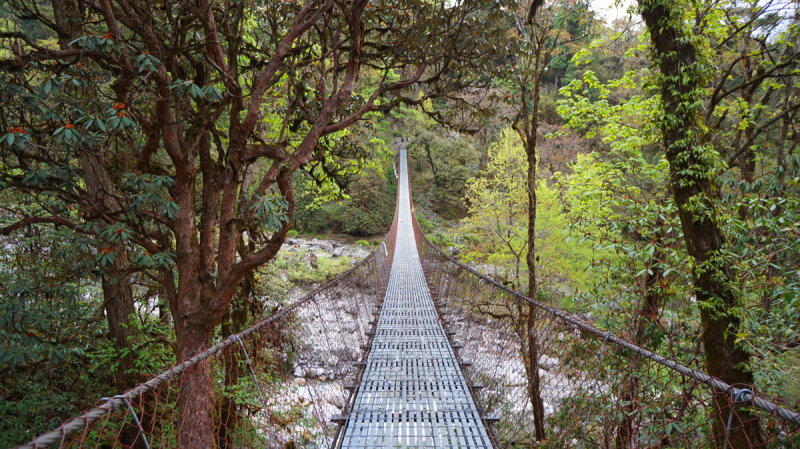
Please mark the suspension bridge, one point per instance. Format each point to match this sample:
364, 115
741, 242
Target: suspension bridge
412, 349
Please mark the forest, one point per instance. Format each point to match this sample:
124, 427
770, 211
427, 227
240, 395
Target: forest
164, 163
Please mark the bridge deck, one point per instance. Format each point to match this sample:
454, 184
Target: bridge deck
413, 393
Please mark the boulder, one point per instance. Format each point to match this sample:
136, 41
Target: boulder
335, 396
547, 363
337, 252
323, 245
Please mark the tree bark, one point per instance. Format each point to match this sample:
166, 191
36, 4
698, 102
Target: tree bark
117, 289
691, 168
195, 395
436, 180
533, 348
67, 17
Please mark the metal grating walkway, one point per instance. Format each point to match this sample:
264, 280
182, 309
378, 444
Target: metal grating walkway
413, 393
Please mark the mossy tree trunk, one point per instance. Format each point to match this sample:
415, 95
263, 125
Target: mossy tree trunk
692, 168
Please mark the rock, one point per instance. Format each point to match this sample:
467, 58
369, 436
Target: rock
350, 328
353, 261
323, 245
547, 363
335, 397
299, 372
337, 252
300, 381
311, 260
291, 249
561, 336
323, 378
319, 372
452, 250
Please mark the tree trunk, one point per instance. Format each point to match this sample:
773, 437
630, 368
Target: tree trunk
436, 179
691, 168
118, 295
534, 383
117, 289
533, 380
67, 17
195, 395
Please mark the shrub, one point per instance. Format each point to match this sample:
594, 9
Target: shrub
425, 224
369, 210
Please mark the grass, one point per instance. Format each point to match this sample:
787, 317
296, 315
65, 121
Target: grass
298, 271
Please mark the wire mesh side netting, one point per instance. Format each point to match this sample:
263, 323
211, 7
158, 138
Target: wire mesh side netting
276, 384
591, 389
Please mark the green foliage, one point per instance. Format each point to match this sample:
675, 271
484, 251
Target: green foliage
626, 125
300, 273
499, 218
621, 202
367, 210
442, 239
441, 162
271, 210
609, 235
56, 356
425, 224
498, 207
